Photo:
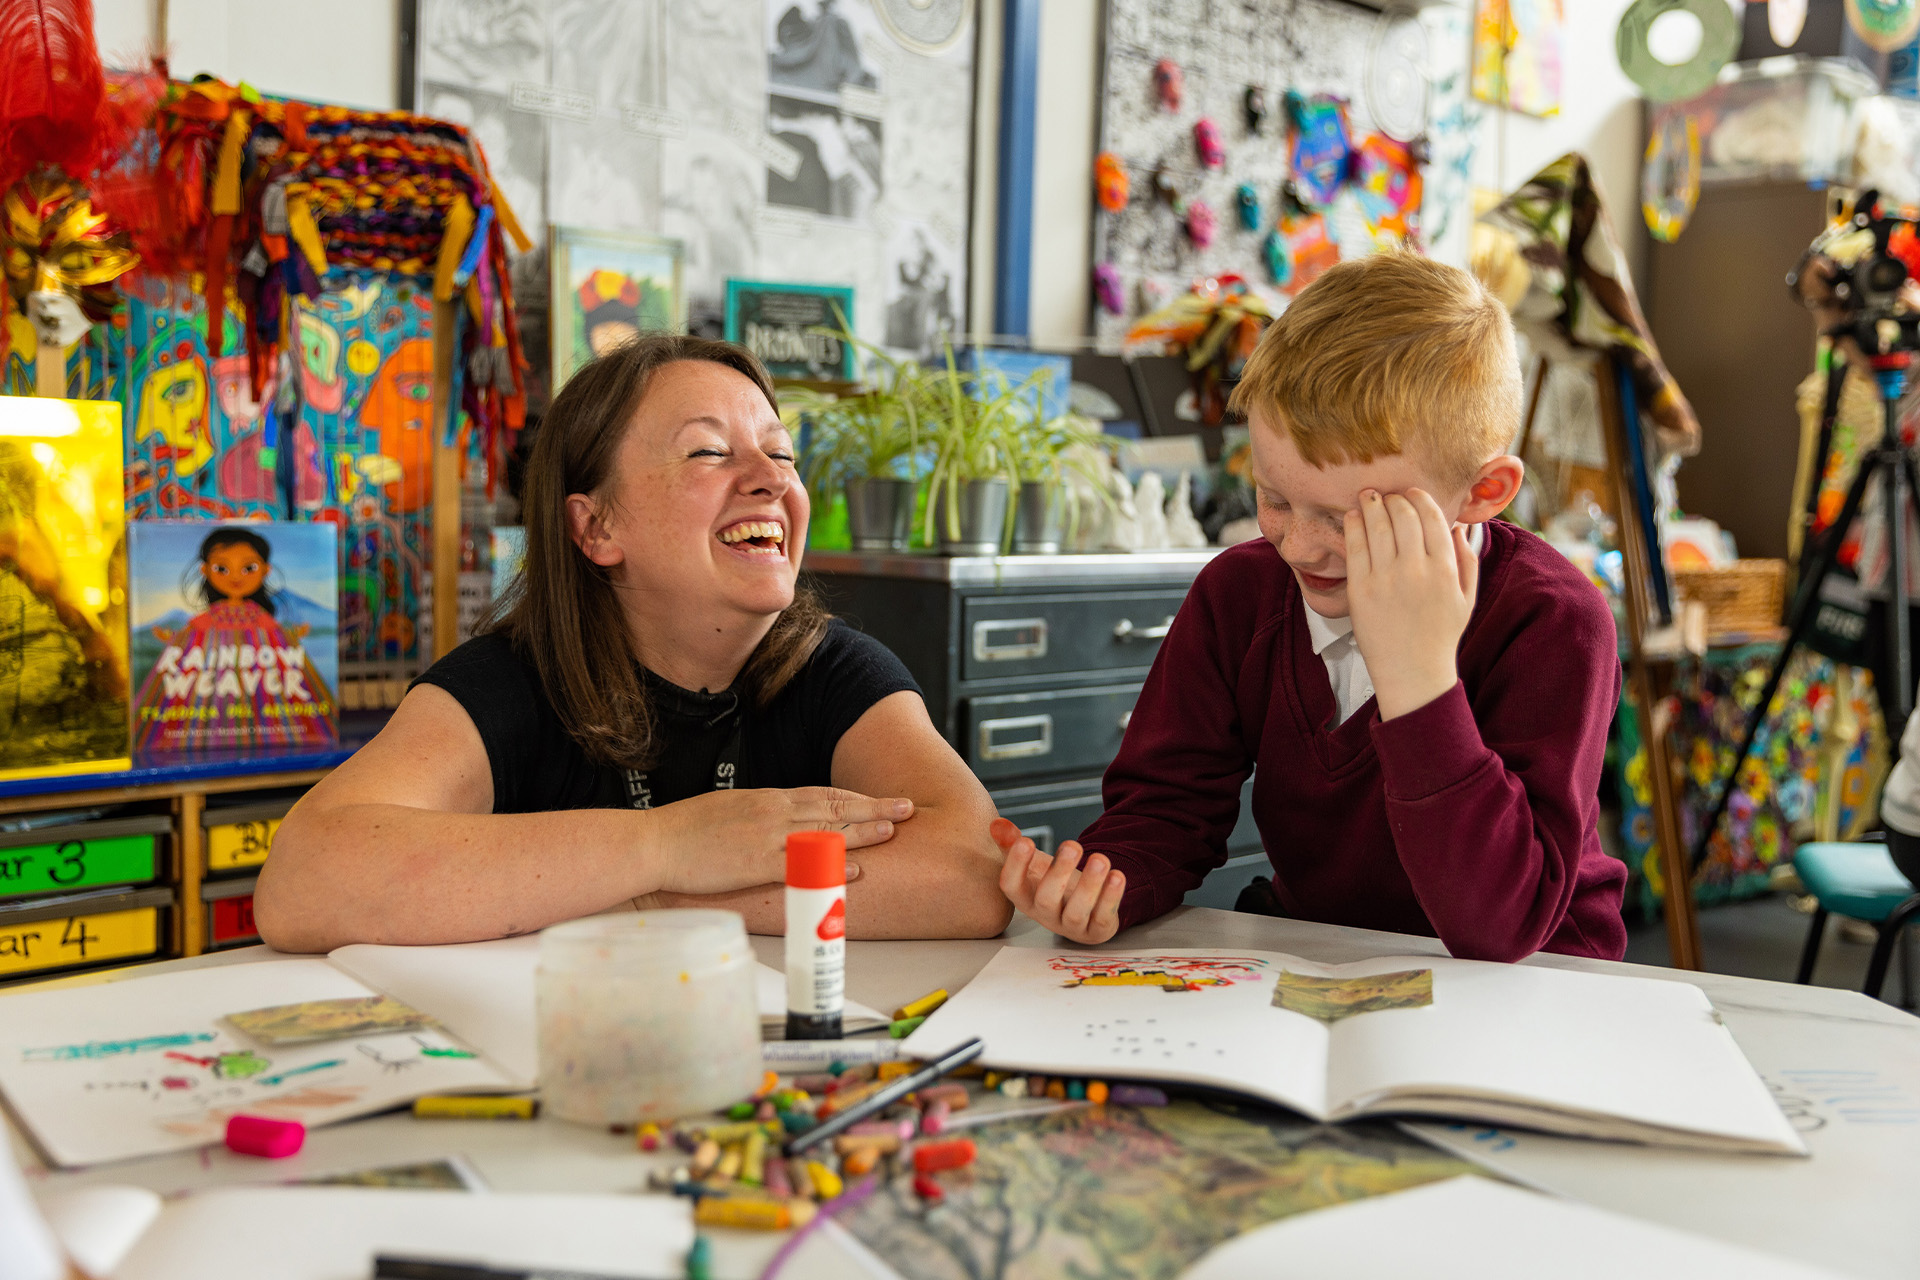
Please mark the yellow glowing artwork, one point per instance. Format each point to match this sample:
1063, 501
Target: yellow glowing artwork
63, 573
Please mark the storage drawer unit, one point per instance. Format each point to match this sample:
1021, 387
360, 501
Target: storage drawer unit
239, 837
1030, 664
229, 912
82, 855
41, 936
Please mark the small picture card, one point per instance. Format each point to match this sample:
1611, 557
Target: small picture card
313, 1020
1331, 999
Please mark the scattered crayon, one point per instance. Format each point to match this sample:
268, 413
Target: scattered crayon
954, 1095
779, 1184
841, 1099
819, 1083
1138, 1095
1076, 1090
884, 1144
434, 1107
932, 1157
705, 1157
700, 1259
740, 1111
992, 1081
894, 1070
753, 1159
768, 1083
851, 1077
859, 1162
797, 1176
731, 1158
736, 1211
1096, 1091
837, 1067
934, 1119
265, 1136
1013, 1087
1036, 1086
737, 1132
923, 1186
826, 1183
797, 1122
766, 1111
686, 1140
1057, 1089
647, 1136
905, 1027
901, 1129
922, 1007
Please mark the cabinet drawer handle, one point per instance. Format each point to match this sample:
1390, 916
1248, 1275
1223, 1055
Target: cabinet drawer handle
1124, 630
1009, 639
1042, 836
996, 742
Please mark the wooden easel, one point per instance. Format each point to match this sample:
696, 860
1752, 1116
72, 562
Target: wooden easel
1683, 920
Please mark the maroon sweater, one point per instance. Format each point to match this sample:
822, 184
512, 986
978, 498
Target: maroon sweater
1474, 818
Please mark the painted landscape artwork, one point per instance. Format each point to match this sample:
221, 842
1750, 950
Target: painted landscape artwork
235, 639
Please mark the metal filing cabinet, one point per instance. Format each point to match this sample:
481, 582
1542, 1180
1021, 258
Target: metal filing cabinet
1031, 665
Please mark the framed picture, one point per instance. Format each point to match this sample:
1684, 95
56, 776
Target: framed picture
777, 322
609, 287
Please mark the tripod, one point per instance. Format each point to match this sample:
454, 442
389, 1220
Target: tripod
1894, 466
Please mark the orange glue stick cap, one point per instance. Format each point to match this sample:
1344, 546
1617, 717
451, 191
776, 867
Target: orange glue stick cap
816, 860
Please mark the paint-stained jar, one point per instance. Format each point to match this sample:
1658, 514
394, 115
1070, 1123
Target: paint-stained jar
649, 1016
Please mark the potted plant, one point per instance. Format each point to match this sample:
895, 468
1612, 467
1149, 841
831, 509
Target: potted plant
1048, 453
868, 444
973, 474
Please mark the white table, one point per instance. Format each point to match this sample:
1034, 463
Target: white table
1848, 1067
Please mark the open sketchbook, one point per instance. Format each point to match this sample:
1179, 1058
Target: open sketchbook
329, 1233
1592, 1055
152, 1064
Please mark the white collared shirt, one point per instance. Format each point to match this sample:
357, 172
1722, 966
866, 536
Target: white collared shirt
1346, 669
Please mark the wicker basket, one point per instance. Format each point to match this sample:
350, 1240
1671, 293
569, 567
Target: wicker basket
1745, 596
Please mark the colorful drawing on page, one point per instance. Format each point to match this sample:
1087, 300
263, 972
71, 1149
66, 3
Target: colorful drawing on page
238, 1065
312, 1020
289, 1073
1331, 999
1132, 1192
1167, 973
114, 1048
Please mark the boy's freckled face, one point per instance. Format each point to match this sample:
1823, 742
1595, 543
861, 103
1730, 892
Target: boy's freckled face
1303, 508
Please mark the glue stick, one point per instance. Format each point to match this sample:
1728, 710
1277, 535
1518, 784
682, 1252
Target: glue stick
816, 934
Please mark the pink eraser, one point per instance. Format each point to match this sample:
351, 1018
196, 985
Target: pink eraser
259, 1136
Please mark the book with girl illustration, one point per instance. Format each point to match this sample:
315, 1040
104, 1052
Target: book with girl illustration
235, 639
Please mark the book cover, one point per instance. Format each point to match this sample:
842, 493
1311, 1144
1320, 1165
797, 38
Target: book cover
63, 637
780, 323
235, 639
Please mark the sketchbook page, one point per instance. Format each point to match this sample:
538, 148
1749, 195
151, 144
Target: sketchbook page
1194, 1016
146, 1065
97, 1226
333, 1233
482, 992
1476, 1229
1564, 1045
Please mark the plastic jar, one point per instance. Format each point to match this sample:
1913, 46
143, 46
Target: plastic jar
649, 1016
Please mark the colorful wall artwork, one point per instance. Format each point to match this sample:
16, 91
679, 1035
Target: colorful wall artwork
199, 446
63, 637
607, 288
234, 637
1517, 54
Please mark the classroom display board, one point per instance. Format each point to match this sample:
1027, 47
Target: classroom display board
809, 140
1403, 76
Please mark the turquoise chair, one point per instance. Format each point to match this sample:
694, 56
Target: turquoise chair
1861, 882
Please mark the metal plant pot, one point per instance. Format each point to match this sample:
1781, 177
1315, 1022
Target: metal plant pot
880, 514
983, 518
1039, 520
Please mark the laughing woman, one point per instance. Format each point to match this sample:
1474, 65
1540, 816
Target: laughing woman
656, 710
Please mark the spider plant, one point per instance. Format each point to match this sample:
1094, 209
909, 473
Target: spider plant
978, 420
874, 434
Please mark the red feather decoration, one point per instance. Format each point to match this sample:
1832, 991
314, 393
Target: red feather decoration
51, 86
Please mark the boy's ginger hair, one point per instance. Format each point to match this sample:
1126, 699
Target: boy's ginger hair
1391, 353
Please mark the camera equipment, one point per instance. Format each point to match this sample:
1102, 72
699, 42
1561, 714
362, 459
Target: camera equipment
1855, 273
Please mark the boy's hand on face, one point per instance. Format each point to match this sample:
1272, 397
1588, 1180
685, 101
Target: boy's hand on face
1411, 579
1081, 903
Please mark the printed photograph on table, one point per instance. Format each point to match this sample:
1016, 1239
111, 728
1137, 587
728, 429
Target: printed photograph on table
781, 324
63, 636
608, 288
1331, 999
235, 639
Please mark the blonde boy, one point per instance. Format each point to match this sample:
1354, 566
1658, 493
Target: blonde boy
1426, 689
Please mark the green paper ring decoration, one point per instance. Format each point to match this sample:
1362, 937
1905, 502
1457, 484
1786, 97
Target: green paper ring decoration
1719, 41
1885, 25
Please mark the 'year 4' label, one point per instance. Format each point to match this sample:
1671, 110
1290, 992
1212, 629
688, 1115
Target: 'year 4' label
240, 844
53, 944
75, 864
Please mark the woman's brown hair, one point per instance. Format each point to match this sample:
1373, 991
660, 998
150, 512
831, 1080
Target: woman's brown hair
561, 614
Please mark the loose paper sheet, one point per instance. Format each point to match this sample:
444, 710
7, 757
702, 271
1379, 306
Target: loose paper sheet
148, 1065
